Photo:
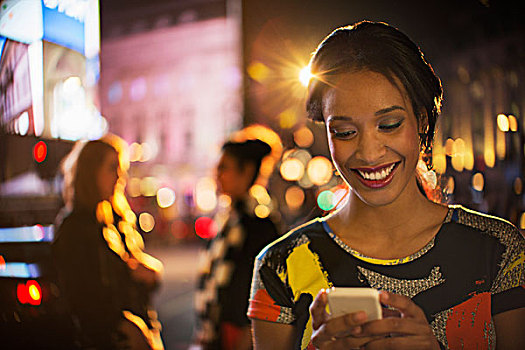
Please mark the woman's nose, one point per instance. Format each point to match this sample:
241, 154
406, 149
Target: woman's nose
371, 147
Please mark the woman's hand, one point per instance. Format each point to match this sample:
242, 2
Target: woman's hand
406, 329
344, 332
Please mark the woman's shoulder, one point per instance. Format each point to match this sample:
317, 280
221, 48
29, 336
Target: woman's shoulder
293, 239
75, 223
484, 223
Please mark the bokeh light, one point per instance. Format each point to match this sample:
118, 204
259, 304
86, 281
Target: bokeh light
458, 154
303, 155
147, 152
319, 170
260, 194
262, 211
205, 194
146, 222
292, 169
40, 151
503, 122
205, 227
165, 197
224, 201
478, 182
148, 186
287, 119
134, 187
294, 197
34, 291
135, 152
522, 221
263, 133
448, 147
513, 123
518, 186
490, 157
325, 200
440, 163
340, 197
303, 137
305, 182
258, 71
23, 123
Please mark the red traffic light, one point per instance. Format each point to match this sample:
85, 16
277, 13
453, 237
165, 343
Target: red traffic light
29, 293
40, 151
205, 227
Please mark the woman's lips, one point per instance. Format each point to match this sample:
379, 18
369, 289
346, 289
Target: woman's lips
376, 177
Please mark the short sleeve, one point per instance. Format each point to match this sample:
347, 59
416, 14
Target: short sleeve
508, 288
270, 298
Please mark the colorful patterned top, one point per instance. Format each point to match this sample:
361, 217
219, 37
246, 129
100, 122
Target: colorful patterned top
225, 274
472, 269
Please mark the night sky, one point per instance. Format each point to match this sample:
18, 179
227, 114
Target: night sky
438, 26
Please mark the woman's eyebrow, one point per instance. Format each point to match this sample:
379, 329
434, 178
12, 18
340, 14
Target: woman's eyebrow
379, 112
389, 109
338, 117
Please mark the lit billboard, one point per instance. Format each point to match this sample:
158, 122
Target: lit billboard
49, 68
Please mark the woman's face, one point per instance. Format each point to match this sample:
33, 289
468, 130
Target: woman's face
232, 179
372, 135
107, 175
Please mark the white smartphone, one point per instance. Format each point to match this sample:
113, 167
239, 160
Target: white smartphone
345, 300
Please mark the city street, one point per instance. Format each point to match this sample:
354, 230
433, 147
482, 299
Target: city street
174, 299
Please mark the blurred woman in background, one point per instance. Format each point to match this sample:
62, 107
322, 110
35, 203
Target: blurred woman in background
224, 284
104, 275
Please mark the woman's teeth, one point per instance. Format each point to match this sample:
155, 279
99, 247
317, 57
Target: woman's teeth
377, 175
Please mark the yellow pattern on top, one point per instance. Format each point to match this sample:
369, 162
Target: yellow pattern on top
305, 276
520, 259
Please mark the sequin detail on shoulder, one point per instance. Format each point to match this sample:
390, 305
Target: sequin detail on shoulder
513, 259
409, 288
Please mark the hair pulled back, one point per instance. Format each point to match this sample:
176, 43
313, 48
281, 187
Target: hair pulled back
248, 152
383, 49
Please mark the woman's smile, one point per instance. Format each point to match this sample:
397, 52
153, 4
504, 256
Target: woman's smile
376, 177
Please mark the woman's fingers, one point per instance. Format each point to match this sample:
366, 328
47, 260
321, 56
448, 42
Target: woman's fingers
390, 313
406, 327
318, 309
343, 329
403, 343
396, 326
338, 332
402, 303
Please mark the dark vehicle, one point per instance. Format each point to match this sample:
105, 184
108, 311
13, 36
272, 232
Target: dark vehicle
32, 313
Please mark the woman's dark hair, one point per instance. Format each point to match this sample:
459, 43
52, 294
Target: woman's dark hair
383, 49
81, 189
248, 152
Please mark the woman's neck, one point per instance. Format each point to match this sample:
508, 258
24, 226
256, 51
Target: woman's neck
411, 214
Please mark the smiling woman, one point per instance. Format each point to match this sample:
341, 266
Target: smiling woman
433, 263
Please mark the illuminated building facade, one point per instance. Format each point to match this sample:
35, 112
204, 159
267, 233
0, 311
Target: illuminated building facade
172, 90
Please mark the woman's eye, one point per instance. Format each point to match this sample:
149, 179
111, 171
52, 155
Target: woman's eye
343, 134
389, 127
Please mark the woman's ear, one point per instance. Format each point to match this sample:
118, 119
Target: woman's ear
422, 121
